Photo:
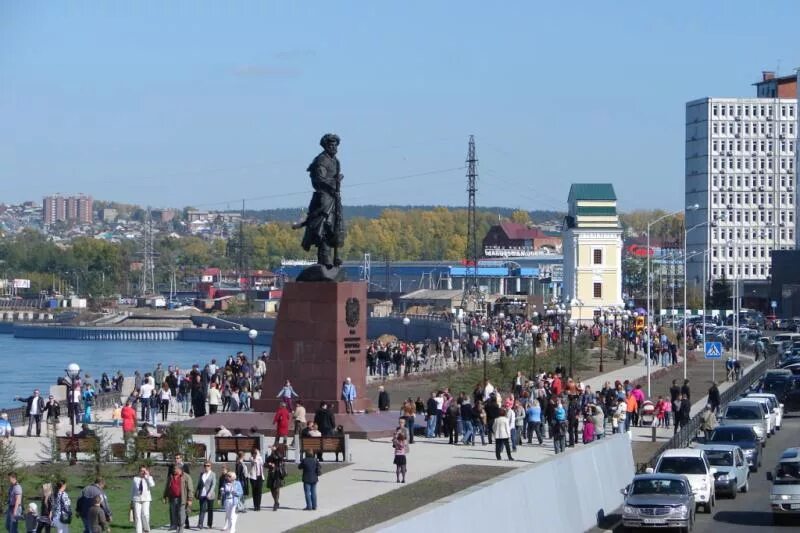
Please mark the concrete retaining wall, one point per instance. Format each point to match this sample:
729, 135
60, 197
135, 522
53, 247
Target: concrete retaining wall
418, 329
567, 493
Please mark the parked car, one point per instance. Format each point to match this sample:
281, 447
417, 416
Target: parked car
692, 463
659, 500
784, 496
774, 404
745, 412
742, 436
733, 470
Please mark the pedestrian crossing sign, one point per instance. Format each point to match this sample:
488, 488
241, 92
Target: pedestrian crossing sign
713, 350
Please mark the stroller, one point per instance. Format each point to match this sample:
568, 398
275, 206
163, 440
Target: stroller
647, 415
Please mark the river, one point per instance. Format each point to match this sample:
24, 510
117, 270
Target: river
31, 363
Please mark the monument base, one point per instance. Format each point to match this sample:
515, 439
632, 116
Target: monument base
319, 342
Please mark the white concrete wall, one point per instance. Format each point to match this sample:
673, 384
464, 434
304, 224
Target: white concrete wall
564, 494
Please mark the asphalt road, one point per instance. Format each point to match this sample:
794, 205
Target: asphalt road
748, 512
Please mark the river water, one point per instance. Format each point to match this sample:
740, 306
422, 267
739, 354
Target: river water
26, 364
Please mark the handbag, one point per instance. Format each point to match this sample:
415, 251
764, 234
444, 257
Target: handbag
66, 513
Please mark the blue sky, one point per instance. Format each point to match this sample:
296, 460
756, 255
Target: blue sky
206, 103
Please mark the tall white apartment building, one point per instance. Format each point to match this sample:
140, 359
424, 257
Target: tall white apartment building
740, 170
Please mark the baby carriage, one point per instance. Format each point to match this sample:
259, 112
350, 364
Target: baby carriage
647, 413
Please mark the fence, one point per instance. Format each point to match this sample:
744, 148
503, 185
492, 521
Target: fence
104, 400
688, 432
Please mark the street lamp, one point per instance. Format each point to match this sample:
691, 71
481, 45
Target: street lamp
571, 329
535, 331
406, 322
694, 207
685, 264
252, 334
73, 371
484, 339
601, 320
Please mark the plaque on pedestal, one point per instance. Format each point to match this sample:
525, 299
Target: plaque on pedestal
319, 341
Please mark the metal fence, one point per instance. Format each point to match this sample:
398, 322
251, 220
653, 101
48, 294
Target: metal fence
687, 433
103, 400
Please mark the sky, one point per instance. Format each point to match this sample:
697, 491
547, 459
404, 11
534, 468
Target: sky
205, 104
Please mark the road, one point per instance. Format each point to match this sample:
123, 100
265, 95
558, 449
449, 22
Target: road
749, 512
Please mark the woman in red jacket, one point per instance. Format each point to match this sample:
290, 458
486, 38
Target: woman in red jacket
128, 415
281, 423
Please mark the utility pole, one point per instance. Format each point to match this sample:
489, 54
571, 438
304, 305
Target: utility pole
147, 283
471, 288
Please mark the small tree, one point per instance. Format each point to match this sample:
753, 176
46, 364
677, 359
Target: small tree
178, 440
9, 462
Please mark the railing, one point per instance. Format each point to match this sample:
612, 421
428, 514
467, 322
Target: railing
688, 432
103, 400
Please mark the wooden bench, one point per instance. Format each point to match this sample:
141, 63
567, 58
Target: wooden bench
320, 445
73, 445
227, 445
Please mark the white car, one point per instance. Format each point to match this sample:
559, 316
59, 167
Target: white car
777, 407
692, 463
770, 418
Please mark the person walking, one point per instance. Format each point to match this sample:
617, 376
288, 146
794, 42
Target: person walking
60, 514
89, 494
128, 416
240, 469
299, 416
96, 517
178, 494
214, 398
205, 493
34, 407
348, 395
141, 495
231, 495
276, 475
164, 398
281, 421
14, 509
257, 478
533, 418
312, 469
324, 420
383, 399
708, 421
713, 397
400, 450
502, 434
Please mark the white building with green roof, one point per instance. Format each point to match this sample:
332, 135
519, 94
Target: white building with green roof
592, 243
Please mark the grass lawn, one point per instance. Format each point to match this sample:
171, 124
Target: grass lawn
118, 487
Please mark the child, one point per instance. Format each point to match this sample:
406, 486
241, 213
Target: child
588, 430
31, 518
399, 445
667, 412
116, 414
660, 412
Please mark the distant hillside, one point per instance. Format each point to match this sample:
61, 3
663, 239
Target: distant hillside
374, 211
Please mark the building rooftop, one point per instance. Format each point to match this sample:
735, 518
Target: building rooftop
592, 191
516, 231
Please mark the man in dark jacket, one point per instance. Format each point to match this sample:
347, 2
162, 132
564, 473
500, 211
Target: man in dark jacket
383, 399
324, 420
573, 410
311, 472
34, 407
713, 397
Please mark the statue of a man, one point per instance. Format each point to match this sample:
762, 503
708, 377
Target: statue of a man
324, 225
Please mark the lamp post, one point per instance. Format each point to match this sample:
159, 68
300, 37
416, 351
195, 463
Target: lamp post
406, 322
484, 339
535, 331
685, 264
571, 329
694, 207
72, 371
626, 324
601, 320
252, 334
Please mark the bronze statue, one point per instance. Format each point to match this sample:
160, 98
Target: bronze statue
324, 224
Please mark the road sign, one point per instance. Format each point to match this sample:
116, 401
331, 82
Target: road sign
713, 350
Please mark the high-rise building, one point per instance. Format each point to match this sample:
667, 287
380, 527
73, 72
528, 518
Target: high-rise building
59, 208
592, 237
740, 171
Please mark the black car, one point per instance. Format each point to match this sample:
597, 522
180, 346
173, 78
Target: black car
742, 436
786, 389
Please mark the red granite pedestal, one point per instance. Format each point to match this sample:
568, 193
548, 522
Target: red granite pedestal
319, 341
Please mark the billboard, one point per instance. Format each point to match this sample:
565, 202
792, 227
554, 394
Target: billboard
21, 283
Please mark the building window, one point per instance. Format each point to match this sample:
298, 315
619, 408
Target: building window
598, 290
597, 256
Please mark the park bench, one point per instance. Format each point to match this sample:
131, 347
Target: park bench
320, 445
227, 445
74, 445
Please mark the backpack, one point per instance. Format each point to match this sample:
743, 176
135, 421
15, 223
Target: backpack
82, 506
